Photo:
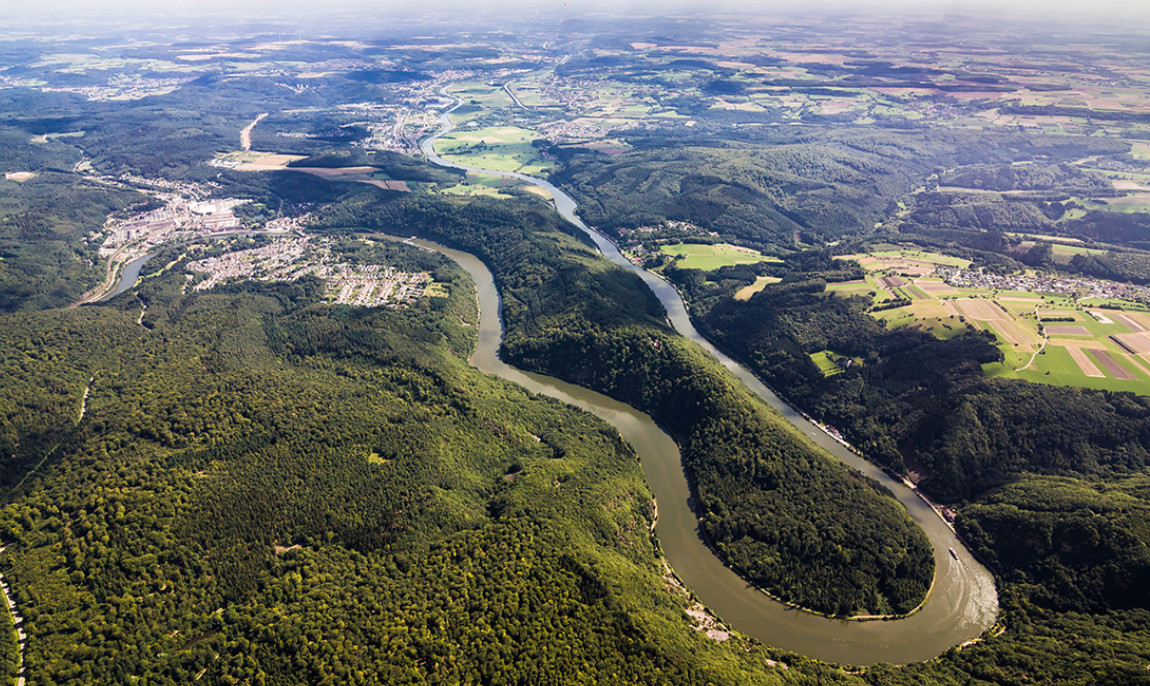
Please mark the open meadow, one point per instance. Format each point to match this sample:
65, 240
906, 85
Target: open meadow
502, 148
709, 257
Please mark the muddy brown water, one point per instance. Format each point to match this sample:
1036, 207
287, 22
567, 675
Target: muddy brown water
962, 604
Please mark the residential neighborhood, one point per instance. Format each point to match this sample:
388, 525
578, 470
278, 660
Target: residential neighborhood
364, 285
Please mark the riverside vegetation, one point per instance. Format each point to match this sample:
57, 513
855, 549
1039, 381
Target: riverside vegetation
267, 489
572, 315
270, 489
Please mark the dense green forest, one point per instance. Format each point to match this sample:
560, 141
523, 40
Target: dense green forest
1050, 481
46, 259
267, 489
816, 185
1063, 178
575, 316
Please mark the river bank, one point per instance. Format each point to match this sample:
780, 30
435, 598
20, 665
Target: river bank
961, 605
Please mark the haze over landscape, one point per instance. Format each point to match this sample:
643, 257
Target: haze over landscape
543, 342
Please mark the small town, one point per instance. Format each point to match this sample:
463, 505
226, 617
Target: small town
1042, 283
370, 285
178, 215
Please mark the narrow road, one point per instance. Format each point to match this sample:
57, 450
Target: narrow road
143, 310
84, 400
513, 96
21, 637
1045, 340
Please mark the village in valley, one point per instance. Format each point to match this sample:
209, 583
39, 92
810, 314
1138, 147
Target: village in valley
290, 259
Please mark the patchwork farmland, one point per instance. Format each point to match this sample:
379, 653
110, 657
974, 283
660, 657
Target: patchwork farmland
1044, 337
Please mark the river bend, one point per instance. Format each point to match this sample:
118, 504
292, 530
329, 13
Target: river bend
962, 602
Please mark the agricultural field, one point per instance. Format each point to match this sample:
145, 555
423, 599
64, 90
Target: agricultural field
709, 257
479, 95
1061, 249
1043, 337
487, 185
899, 275
760, 283
502, 148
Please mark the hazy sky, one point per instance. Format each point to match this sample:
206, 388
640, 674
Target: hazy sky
1093, 7
1134, 12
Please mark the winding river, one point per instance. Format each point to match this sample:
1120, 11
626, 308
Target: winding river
962, 603
129, 276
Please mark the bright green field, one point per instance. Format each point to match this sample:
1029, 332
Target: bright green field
475, 190
1057, 368
826, 365
482, 94
709, 257
1068, 251
487, 185
502, 148
937, 258
1139, 202
1115, 302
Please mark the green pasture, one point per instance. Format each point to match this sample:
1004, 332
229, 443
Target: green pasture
486, 185
1060, 250
851, 288
827, 365
482, 94
1116, 303
474, 190
709, 257
1139, 202
937, 258
500, 148
1056, 367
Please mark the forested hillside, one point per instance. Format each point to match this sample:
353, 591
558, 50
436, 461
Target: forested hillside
268, 489
1068, 545
767, 188
575, 316
46, 258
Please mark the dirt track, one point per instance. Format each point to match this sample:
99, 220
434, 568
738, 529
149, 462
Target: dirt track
246, 132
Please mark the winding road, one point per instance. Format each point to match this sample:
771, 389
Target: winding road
962, 603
